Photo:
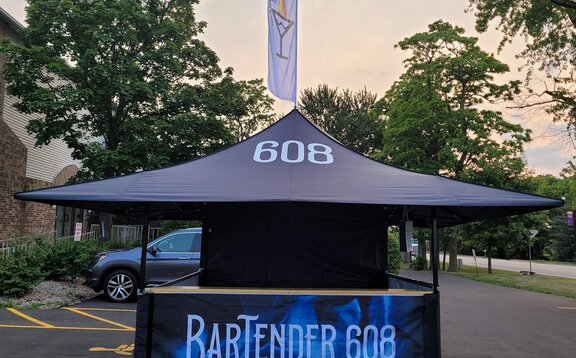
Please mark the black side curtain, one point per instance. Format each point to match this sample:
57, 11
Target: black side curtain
294, 245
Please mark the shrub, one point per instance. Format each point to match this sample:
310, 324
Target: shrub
39, 258
394, 255
419, 263
19, 272
66, 258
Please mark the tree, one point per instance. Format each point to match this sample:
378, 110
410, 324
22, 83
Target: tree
347, 116
557, 240
231, 111
434, 122
249, 108
549, 28
126, 84
561, 239
506, 234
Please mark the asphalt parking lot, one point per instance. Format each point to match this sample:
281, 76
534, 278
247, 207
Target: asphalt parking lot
478, 320
94, 328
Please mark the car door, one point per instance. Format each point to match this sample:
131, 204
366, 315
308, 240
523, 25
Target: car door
176, 255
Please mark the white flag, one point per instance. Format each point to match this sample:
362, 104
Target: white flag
282, 39
409, 234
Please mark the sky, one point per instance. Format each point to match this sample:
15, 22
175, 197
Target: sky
350, 45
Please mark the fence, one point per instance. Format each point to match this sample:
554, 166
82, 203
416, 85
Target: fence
126, 232
7, 247
122, 233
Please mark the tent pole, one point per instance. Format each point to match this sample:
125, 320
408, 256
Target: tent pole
385, 258
434, 254
434, 249
141, 281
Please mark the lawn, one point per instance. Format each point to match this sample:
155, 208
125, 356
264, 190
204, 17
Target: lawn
539, 283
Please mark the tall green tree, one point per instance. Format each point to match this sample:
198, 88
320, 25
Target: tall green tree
557, 240
346, 115
561, 239
248, 107
434, 117
548, 27
127, 84
435, 120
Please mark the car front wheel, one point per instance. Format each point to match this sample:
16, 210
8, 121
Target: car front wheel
120, 286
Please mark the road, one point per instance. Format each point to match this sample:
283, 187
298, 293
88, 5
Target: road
480, 320
559, 270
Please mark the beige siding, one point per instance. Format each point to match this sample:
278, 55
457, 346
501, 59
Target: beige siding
44, 163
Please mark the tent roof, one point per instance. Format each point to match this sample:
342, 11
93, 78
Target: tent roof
291, 161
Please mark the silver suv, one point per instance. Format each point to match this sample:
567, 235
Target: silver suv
169, 257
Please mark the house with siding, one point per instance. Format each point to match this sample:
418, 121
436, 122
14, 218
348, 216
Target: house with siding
26, 167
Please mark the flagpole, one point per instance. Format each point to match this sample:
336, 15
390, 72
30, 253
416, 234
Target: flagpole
296, 61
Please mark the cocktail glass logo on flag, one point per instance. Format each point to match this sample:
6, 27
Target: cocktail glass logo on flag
282, 48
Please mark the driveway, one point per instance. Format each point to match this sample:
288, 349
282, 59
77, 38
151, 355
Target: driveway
560, 270
483, 321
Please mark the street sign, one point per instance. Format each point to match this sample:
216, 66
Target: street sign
78, 232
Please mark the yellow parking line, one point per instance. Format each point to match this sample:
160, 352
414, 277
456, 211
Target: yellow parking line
123, 349
31, 319
128, 328
19, 326
67, 328
100, 309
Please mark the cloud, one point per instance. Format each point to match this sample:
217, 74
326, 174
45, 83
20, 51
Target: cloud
547, 160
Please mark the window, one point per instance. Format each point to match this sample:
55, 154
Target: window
183, 242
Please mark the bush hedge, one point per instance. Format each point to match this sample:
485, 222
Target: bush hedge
419, 263
36, 259
19, 272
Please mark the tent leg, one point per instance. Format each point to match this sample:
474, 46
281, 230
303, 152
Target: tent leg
385, 258
434, 249
141, 281
434, 256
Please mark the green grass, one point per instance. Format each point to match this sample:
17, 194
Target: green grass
558, 286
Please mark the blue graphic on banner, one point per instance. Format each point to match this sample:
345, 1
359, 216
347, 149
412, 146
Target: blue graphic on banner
243, 325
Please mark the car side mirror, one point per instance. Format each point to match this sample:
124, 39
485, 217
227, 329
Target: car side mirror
153, 250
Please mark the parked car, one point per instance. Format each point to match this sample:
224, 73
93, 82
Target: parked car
168, 257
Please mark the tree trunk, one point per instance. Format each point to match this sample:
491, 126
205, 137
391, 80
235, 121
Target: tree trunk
106, 219
453, 264
444, 257
489, 253
446, 235
422, 247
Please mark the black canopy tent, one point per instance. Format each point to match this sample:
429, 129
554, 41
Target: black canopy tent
289, 169
292, 207
291, 161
